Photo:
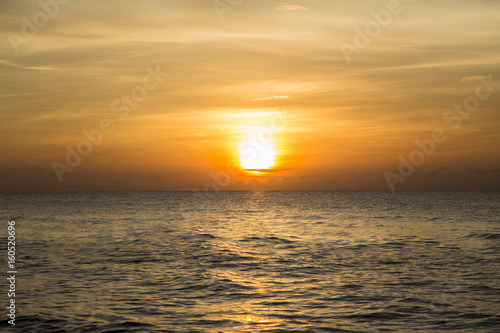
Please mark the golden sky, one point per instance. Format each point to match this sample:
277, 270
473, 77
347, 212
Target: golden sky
334, 92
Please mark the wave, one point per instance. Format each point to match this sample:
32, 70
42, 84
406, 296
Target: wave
483, 236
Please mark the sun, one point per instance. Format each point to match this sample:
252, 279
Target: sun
255, 155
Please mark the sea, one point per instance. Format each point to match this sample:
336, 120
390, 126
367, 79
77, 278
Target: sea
253, 261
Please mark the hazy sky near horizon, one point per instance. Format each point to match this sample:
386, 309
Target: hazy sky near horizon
344, 124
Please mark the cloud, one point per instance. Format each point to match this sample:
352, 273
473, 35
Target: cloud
482, 171
266, 170
436, 172
414, 45
471, 78
286, 7
36, 68
16, 95
268, 98
35, 168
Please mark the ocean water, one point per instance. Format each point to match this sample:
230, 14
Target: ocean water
297, 261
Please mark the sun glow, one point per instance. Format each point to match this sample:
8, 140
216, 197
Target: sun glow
259, 140
257, 153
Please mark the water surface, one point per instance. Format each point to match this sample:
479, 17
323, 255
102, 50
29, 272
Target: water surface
305, 261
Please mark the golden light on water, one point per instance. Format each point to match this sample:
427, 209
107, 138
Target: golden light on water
255, 319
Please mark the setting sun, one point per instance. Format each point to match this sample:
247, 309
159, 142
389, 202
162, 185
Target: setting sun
255, 155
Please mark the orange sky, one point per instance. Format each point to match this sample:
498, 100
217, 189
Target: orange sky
336, 104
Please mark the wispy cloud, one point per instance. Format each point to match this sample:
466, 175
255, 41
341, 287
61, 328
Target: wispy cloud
36, 68
291, 7
268, 98
35, 168
266, 170
16, 95
471, 78
435, 172
482, 171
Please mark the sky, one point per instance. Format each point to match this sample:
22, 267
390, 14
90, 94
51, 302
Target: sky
249, 95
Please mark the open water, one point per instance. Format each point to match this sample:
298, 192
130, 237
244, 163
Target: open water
293, 261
